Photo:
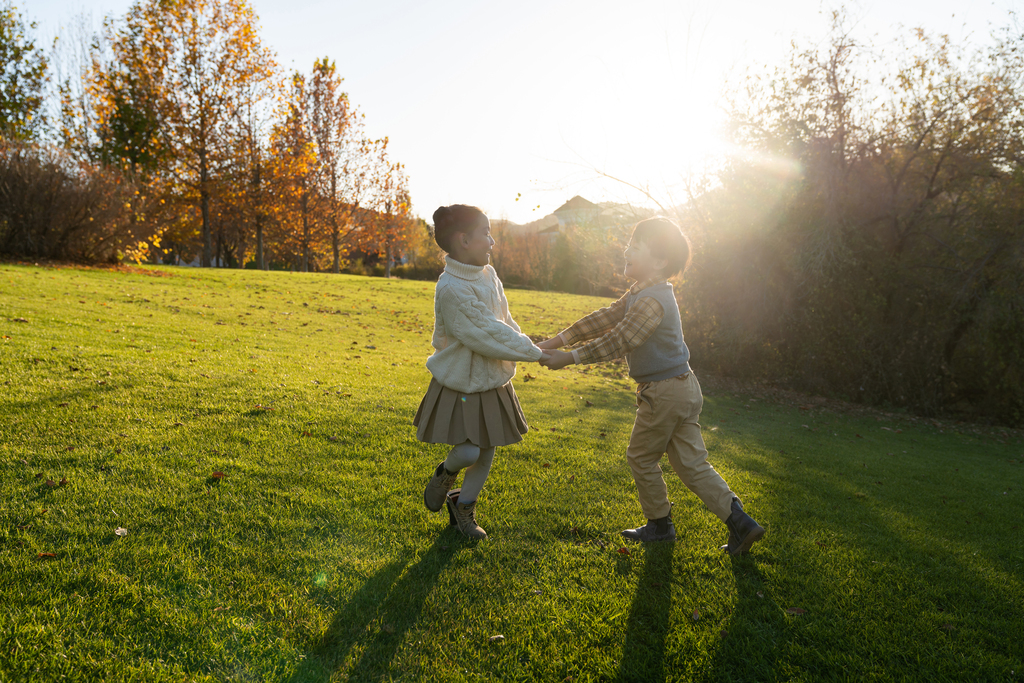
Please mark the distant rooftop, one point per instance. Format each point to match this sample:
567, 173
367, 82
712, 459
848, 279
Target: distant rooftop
577, 203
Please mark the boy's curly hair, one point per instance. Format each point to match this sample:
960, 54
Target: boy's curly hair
666, 240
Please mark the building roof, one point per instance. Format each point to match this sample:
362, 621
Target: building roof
577, 203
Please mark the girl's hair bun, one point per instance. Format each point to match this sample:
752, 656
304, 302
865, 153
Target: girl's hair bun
449, 220
442, 216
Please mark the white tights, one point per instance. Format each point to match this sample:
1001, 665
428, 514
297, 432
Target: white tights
477, 462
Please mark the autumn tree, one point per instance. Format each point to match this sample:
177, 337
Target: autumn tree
23, 78
195, 59
298, 170
251, 190
336, 127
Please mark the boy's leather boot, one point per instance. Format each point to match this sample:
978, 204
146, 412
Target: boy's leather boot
655, 530
465, 517
437, 487
743, 531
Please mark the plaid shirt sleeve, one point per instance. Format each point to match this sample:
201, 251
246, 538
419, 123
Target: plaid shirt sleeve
595, 324
633, 330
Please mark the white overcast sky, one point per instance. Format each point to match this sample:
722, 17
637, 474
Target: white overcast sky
484, 101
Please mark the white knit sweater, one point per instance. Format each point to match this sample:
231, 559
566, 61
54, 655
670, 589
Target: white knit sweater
476, 342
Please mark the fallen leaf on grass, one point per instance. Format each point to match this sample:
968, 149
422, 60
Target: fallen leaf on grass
795, 610
547, 464
696, 615
496, 638
51, 482
178, 424
623, 551
217, 475
121, 531
947, 627
760, 594
218, 609
63, 481
588, 404
39, 476
723, 633
46, 556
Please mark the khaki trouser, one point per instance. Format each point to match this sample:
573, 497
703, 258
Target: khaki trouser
666, 422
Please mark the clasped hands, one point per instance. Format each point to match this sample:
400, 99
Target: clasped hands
552, 358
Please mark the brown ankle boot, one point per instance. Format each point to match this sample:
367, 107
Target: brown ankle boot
437, 487
465, 517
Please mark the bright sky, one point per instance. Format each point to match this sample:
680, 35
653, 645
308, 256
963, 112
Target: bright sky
484, 101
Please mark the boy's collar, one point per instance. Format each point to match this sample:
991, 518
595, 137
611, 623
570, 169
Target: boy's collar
463, 271
644, 284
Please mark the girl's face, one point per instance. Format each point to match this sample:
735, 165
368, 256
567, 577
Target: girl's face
474, 248
641, 264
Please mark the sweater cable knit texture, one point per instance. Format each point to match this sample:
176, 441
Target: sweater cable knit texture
476, 342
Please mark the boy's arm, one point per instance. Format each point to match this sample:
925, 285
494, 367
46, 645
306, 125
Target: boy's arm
635, 328
594, 324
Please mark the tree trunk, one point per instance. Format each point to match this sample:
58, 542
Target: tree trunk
387, 262
204, 205
220, 245
259, 241
305, 234
336, 268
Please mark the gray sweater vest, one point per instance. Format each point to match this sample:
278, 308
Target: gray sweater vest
664, 354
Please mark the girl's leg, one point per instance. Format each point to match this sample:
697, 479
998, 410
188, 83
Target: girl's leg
461, 456
476, 475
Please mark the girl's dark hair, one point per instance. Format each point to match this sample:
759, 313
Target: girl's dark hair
449, 220
667, 241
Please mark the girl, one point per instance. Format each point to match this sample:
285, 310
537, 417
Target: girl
470, 402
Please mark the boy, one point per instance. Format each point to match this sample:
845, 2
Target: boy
644, 327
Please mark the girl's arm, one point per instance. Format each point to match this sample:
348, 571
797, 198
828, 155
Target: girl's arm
507, 314
473, 324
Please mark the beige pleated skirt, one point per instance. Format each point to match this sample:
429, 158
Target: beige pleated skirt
487, 419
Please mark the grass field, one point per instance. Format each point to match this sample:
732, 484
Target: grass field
212, 475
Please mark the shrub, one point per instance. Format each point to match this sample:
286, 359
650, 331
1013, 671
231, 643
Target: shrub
54, 207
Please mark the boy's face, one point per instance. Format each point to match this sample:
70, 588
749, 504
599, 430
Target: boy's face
641, 264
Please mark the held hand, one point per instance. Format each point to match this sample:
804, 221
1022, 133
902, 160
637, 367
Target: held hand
556, 360
553, 343
544, 359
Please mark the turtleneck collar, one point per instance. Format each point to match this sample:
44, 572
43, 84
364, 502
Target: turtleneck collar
461, 270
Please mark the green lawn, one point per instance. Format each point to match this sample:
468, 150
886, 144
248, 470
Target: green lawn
312, 558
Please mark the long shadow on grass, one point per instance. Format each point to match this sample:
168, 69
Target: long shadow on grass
377, 616
754, 633
643, 651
